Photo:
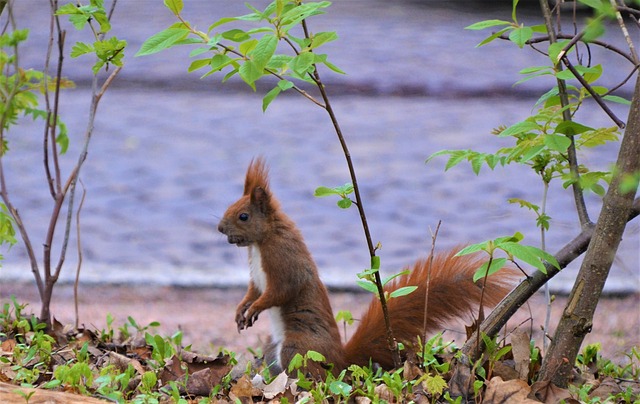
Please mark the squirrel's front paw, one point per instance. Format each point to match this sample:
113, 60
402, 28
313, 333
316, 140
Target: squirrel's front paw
251, 317
241, 321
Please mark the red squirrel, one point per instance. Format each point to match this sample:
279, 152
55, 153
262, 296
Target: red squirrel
284, 281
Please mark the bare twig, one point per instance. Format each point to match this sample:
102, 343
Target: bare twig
596, 96
434, 237
80, 256
625, 32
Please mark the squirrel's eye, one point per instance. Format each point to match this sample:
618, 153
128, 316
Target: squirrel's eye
243, 217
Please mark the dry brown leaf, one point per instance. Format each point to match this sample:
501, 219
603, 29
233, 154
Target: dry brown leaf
122, 362
243, 388
201, 373
521, 353
277, 386
548, 392
504, 371
7, 346
511, 391
6, 373
10, 393
411, 371
607, 387
362, 400
201, 383
172, 370
461, 382
384, 393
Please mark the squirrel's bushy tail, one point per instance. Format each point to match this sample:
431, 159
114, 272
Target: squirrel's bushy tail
452, 294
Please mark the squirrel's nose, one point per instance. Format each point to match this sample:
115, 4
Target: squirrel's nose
221, 228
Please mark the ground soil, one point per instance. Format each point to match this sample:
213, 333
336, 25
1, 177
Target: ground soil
206, 316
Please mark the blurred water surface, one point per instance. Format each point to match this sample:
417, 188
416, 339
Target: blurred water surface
169, 150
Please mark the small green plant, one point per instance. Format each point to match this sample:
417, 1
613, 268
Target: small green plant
162, 349
131, 324
429, 351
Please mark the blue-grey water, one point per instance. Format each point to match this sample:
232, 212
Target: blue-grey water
169, 149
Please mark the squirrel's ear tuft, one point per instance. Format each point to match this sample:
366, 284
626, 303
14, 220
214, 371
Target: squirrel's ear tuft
261, 198
257, 176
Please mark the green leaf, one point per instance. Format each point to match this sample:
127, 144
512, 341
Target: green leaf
321, 38
279, 62
456, 157
486, 270
345, 203
520, 128
162, 40
594, 29
198, 64
368, 286
285, 85
565, 75
81, 48
487, 24
616, 99
392, 277
340, 388
79, 20
174, 5
531, 255
250, 73
325, 191
572, 128
520, 36
493, 36
302, 63
556, 48
247, 46
403, 291
435, 384
264, 50
269, 97
219, 62
524, 204
333, 67
473, 248
558, 143
69, 8
62, 139
590, 74
236, 35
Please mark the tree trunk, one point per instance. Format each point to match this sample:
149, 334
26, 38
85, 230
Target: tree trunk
577, 317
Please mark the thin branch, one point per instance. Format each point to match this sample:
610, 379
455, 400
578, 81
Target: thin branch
434, 237
71, 182
593, 94
56, 104
625, 32
80, 256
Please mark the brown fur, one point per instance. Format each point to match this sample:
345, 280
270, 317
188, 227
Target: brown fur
301, 301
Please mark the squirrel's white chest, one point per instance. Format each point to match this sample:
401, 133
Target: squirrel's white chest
257, 274
259, 279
